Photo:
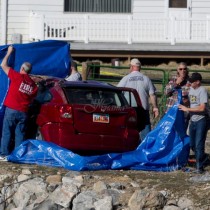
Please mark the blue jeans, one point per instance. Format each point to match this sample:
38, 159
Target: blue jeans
197, 132
147, 128
13, 128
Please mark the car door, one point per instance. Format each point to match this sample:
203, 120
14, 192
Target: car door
134, 101
100, 117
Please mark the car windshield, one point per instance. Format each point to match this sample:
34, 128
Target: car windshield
95, 96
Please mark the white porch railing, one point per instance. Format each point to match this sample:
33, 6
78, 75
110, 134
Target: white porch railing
119, 28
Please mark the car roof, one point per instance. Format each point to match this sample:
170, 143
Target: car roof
88, 84
77, 84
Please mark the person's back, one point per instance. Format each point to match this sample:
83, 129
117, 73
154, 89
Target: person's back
74, 74
22, 91
135, 79
141, 83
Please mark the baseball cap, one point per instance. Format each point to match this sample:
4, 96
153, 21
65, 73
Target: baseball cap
135, 62
195, 77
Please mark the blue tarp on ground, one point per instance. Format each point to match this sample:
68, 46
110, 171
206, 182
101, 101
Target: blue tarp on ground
47, 57
166, 148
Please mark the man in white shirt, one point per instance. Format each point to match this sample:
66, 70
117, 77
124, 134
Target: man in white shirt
74, 74
135, 79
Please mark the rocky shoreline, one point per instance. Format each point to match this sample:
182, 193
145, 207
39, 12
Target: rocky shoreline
32, 187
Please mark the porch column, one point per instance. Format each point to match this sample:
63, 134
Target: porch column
86, 29
208, 28
172, 20
130, 29
4, 4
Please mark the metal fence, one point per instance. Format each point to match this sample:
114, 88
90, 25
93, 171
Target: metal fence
160, 77
113, 74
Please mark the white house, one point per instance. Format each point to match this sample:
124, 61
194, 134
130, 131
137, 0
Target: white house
109, 25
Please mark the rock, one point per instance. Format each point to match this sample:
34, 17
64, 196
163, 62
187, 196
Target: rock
185, 203
26, 171
32, 189
8, 191
22, 177
115, 194
171, 208
142, 199
171, 202
134, 184
54, 179
63, 195
99, 190
118, 186
69, 180
99, 186
72, 174
104, 204
85, 200
52, 187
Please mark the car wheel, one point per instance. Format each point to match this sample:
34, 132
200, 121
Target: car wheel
39, 134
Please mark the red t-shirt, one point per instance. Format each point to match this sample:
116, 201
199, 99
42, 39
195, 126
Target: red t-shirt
22, 91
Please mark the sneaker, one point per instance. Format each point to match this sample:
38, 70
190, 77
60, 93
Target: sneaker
3, 158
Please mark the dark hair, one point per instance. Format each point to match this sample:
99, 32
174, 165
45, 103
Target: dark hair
195, 77
74, 65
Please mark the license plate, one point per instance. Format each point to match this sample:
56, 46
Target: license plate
101, 118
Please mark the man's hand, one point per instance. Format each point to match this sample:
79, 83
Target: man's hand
10, 50
179, 80
156, 112
183, 108
4, 63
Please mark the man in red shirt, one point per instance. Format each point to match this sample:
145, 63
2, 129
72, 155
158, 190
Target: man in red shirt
21, 92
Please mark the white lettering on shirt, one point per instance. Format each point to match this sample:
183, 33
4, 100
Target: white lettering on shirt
25, 88
136, 78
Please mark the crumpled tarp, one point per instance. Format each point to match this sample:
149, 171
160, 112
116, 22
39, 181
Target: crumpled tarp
166, 148
48, 57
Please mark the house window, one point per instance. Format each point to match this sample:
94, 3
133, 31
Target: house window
177, 3
99, 6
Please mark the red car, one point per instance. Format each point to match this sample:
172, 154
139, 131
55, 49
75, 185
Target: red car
87, 115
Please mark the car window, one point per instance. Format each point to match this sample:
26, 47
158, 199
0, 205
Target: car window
95, 97
130, 98
43, 94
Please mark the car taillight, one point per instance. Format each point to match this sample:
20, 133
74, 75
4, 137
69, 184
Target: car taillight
66, 112
132, 119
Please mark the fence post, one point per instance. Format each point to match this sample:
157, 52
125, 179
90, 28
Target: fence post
86, 29
84, 71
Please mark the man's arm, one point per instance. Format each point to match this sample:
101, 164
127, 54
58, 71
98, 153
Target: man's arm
153, 99
200, 108
4, 63
122, 82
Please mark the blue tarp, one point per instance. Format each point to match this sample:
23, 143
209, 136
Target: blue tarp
47, 58
166, 148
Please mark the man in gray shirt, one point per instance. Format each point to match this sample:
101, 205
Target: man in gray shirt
198, 109
74, 74
135, 79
